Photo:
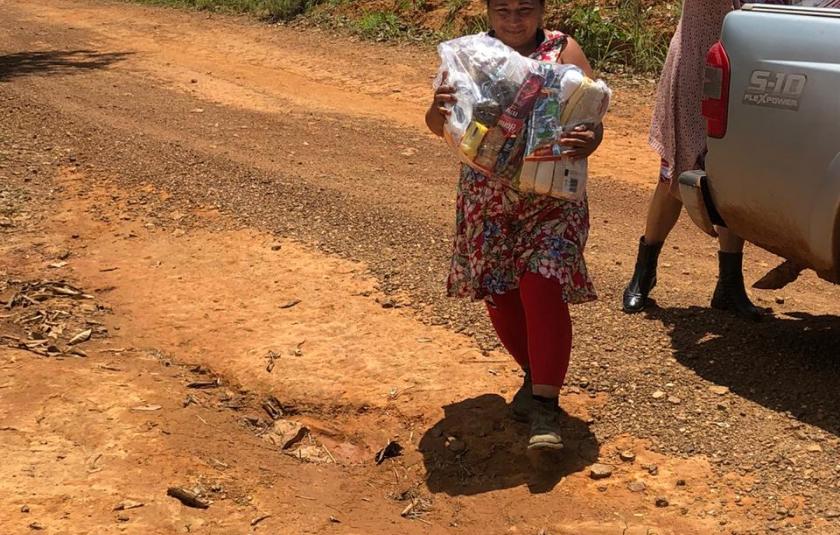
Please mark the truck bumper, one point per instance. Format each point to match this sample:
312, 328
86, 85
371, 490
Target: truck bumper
697, 200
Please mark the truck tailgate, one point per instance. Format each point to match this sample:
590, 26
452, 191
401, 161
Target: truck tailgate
775, 175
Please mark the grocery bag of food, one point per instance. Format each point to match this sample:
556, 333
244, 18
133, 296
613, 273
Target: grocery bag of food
511, 108
568, 99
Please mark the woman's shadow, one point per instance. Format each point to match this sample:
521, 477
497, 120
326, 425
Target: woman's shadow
477, 448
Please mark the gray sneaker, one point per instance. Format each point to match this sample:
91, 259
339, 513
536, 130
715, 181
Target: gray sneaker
545, 427
520, 405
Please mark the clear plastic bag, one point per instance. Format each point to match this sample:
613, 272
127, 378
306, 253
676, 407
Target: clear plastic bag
510, 107
486, 75
568, 99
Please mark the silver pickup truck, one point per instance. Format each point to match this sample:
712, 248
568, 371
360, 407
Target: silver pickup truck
772, 105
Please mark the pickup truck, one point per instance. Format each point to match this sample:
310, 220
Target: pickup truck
772, 106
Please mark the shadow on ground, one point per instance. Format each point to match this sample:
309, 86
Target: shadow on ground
495, 456
55, 62
789, 363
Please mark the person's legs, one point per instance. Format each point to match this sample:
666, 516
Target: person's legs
662, 215
730, 293
508, 319
549, 328
729, 241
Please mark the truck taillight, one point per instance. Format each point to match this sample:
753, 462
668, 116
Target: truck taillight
716, 91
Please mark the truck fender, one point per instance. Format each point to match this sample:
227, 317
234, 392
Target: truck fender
824, 225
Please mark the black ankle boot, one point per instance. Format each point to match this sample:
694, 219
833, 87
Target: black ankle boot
730, 293
644, 277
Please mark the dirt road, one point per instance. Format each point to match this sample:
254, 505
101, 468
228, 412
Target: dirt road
254, 227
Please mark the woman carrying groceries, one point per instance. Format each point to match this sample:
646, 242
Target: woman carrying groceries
678, 134
523, 253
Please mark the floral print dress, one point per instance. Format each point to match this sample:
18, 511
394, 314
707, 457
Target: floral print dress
678, 129
501, 234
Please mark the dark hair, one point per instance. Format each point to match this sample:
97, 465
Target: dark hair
541, 2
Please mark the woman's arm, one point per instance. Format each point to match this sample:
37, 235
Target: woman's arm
437, 113
582, 141
573, 55
434, 120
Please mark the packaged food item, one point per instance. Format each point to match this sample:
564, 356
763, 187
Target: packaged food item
487, 112
566, 102
513, 118
489, 150
509, 160
472, 139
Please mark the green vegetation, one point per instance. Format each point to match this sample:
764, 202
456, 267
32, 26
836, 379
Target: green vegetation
617, 35
271, 10
380, 25
621, 39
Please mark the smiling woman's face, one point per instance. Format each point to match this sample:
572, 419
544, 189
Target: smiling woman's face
515, 21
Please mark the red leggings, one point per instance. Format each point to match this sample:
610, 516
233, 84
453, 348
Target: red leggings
534, 325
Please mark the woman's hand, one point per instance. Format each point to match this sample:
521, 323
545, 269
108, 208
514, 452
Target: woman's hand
445, 94
582, 140
438, 112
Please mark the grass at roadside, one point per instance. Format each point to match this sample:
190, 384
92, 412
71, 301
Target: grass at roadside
271, 10
619, 37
